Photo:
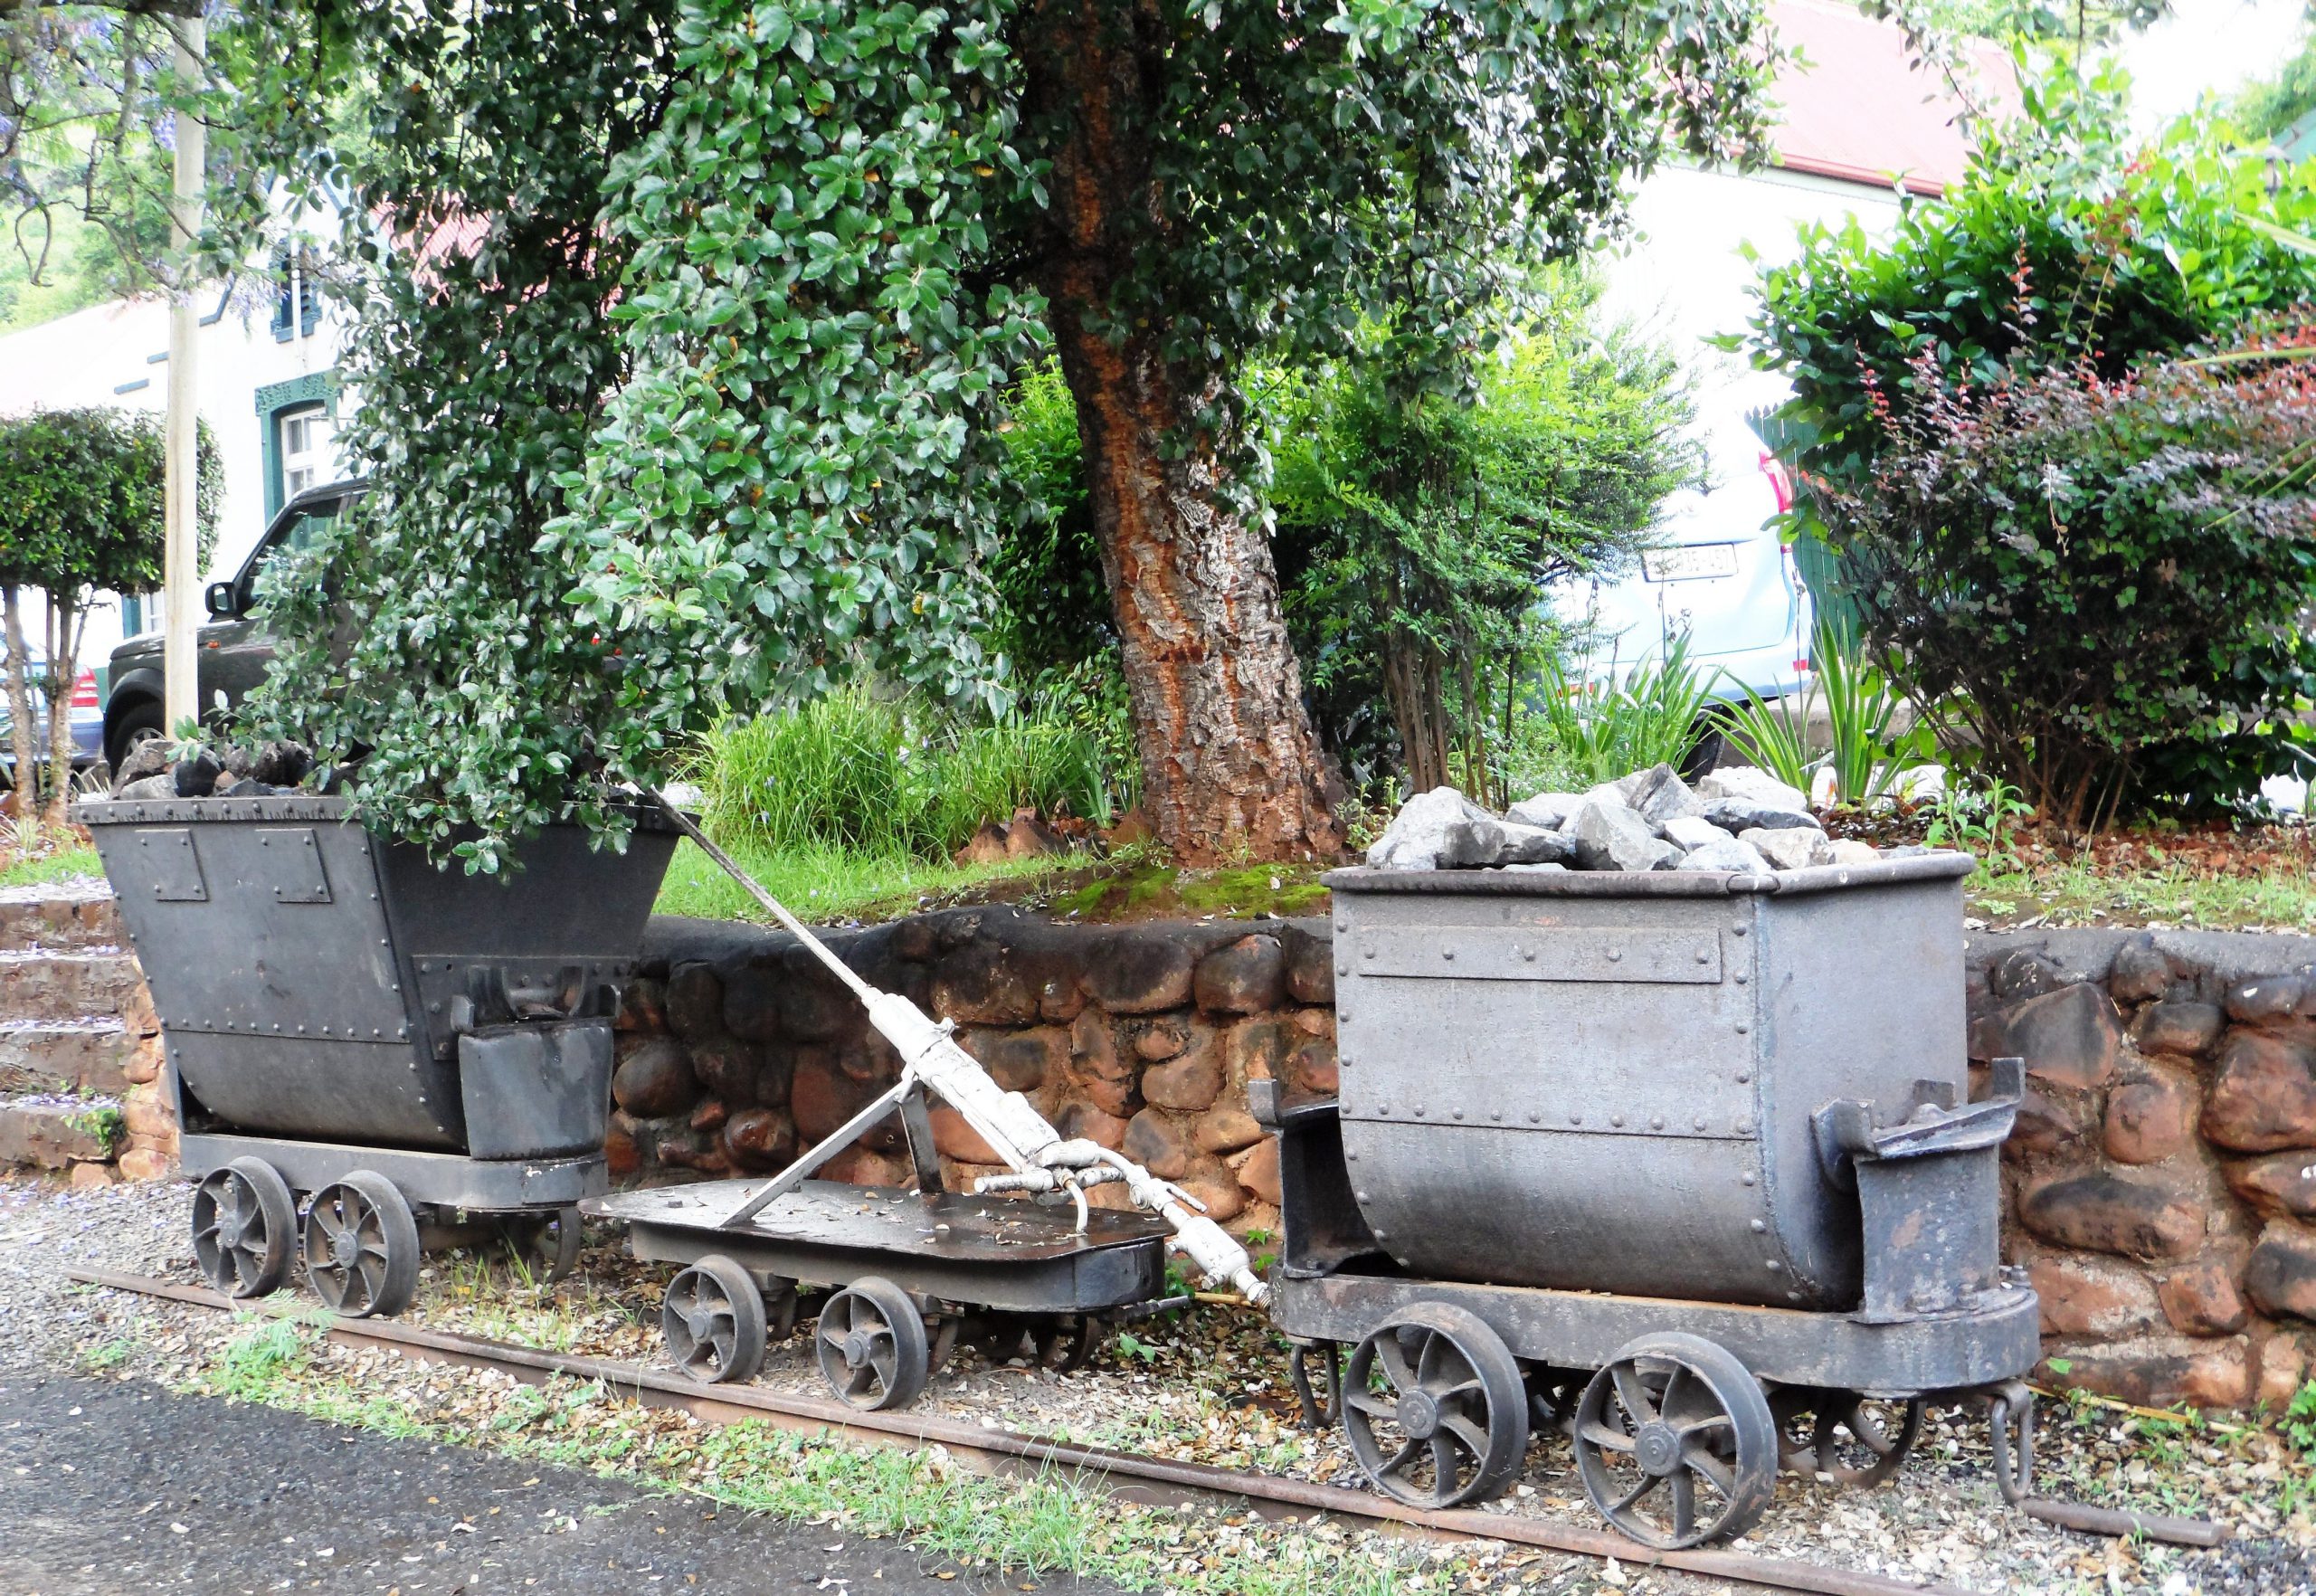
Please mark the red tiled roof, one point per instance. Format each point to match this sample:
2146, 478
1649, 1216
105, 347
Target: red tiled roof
1860, 110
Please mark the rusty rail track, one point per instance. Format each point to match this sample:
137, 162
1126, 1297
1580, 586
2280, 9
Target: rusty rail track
1155, 1481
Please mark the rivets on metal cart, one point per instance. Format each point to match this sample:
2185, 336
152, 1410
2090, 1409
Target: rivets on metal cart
1744, 1076
1743, 1028
1746, 1179
1736, 930
1744, 1127
1573, 1119
1759, 1226
1776, 1267
1616, 1119
1703, 957
1656, 1122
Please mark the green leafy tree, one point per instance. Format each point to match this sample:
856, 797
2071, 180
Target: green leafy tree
87, 107
82, 510
832, 236
2266, 108
2066, 240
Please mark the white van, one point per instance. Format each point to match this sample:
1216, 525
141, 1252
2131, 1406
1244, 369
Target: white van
1717, 574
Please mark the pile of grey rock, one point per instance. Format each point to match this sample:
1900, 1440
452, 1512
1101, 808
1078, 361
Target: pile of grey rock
1736, 820
151, 771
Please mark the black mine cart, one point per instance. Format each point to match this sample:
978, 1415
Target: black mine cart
1685, 1164
361, 1043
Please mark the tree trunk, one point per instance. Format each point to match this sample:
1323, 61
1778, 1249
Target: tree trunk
65, 619
20, 723
1230, 769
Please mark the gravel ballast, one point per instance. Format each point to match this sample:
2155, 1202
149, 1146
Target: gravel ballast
1210, 1388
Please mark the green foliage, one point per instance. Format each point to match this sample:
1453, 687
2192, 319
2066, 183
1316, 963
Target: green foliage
2081, 22
83, 507
1415, 537
1608, 726
2266, 108
883, 775
427, 623
2107, 579
1978, 819
82, 499
1053, 602
1862, 703
2299, 1422
739, 441
86, 101
2064, 241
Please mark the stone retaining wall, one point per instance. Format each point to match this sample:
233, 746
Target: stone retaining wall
2161, 1182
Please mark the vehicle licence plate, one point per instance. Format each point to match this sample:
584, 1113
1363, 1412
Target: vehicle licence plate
1687, 564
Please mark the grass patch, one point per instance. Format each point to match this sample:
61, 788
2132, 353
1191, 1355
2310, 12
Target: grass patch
1052, 1524
881, 774
40, 869
821, 882
2079, 893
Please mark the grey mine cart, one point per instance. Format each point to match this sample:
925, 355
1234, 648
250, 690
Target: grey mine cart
1685, 1164
371, 1055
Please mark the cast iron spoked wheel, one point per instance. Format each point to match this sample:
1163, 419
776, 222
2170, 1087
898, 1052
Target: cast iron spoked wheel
547, 1246
361, 1247
1794, 1410
872, 1344
1066, 1342
1434, 1408
713, 1319
1862, 1441
1675, 1442
245, 1223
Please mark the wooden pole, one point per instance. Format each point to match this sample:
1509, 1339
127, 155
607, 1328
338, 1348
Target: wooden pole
180, 694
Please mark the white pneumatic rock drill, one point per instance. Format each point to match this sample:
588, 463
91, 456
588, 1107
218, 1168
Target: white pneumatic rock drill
1042, 1159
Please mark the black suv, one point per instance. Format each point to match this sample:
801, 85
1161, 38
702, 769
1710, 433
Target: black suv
233, 650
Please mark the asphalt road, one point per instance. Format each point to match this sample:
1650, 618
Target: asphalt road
111, 1487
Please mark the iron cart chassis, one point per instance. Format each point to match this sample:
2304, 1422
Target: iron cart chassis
906, 1274
370, 1057
1679, 1164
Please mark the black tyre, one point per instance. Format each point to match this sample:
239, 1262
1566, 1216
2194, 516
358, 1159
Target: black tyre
141, 723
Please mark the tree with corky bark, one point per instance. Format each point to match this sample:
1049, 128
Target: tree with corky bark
840, 230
